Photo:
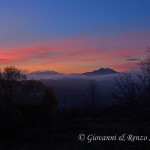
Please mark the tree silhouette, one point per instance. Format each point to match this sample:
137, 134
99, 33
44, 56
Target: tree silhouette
134, 89
14, 87
33, 91
49, 98
133, 92
92, 90
11, 80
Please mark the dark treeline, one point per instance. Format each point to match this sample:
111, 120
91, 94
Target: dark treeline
29, 118
24, 104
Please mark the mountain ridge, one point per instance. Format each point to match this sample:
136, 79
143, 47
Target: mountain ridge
47, 72
101, 71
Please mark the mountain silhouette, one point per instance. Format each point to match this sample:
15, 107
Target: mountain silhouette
101, 71
48, 72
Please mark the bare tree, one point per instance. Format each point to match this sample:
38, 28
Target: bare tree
135, 88
145, 80
134, 92
92, 90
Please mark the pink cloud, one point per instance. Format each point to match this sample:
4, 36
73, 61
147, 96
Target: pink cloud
81, 50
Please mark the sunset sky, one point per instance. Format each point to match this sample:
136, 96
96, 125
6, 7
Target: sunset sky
73, 36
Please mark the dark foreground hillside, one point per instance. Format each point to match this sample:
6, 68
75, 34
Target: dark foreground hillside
63, 130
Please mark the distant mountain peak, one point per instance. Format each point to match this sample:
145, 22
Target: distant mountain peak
47, 72
101, 71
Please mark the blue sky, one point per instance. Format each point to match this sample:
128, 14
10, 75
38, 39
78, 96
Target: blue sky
67, 17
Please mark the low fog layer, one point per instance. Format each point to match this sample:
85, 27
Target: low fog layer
71, 90
70, 76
